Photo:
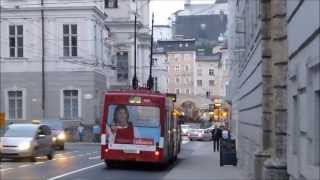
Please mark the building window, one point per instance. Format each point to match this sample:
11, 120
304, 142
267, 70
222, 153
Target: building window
211, 72
70, 40
199, 83
177, 80
70, 104
296, 125
199, 72
154, 61
123, 66
15, 104
111, 3
211, 82
187, 80
155, 83
16, 40
177, 91
187, 91
177, 68
187, 68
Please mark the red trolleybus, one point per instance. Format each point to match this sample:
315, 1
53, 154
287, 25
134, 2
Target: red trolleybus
138, 125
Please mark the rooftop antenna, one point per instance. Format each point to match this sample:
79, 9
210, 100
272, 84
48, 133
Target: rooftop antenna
150, 80
135, 79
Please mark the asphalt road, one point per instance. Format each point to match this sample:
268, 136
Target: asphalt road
82, 162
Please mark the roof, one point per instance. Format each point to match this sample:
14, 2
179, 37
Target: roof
197, 9
201, 26
207, 58
140, 92
175, 45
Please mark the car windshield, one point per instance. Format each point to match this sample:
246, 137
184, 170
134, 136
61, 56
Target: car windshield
141, 116
20, 131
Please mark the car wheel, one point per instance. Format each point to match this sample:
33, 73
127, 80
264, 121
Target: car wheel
50, 156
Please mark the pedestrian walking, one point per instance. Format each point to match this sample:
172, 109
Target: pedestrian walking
96, 132
216, 136
226, 133
81, 132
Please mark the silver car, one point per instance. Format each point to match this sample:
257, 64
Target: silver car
199, 134
26, 141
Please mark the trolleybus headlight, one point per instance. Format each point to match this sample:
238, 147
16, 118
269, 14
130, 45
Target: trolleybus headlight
106, 150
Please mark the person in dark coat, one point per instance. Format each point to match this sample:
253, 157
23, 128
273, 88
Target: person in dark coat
216, 136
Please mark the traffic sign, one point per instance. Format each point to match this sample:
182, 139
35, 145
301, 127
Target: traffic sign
2, 119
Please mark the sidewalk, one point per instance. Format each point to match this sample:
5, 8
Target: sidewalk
199, 162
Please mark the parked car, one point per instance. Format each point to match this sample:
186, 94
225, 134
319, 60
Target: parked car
58, 133
199, 134
26, 141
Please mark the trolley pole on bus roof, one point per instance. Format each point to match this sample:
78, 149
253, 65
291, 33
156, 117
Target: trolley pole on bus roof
135, 79
150, 80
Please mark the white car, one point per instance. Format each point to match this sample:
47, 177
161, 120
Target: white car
199, 134
185, 129
26, 141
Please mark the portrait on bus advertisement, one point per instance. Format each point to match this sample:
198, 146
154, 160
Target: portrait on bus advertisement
129, 124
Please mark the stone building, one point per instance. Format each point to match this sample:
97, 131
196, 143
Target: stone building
276, 79
181, 65
211, 72
303, 25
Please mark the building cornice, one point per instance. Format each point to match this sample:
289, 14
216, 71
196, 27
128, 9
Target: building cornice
24, 9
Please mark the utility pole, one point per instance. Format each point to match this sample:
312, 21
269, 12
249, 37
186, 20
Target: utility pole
43, 98
135, 79
150, 82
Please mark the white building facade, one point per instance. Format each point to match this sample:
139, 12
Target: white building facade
160, 71
75, 57
121, 24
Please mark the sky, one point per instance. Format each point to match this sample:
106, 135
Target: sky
162, 9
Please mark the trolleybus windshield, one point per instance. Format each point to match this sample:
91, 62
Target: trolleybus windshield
130, 124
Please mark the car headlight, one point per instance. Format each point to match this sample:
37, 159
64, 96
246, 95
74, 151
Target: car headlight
54, 139
24, 146
61, 136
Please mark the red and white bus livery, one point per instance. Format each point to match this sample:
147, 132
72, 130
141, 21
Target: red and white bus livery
138, 125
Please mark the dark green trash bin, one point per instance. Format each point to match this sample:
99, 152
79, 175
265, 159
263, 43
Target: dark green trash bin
228, 152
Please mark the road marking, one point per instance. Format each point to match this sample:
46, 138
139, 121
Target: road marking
7, 169
88, 153
75, 171
26, 165
95, 157
62, 158
39, 163
54, 159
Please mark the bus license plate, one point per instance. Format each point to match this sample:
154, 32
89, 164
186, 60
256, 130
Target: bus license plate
131, 151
